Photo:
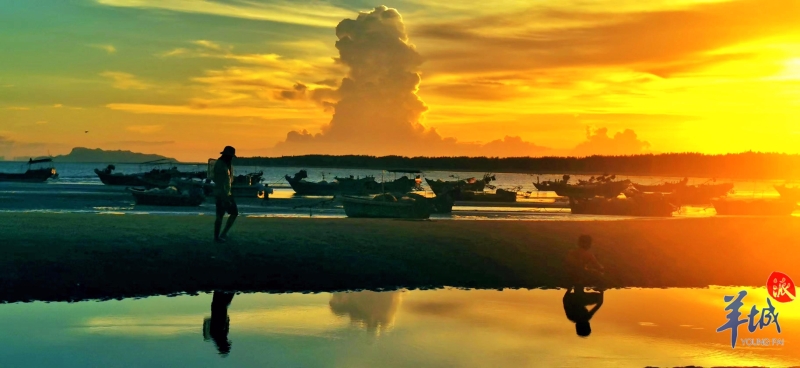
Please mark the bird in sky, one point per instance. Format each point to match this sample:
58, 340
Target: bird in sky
86, 131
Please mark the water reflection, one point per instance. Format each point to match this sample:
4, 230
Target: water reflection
432, 328
217, 326
576, 306
368, 309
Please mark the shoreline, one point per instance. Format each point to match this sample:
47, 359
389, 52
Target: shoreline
70, 257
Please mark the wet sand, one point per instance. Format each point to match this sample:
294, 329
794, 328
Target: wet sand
61, 257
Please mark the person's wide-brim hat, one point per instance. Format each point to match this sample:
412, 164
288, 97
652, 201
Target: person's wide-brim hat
229, 151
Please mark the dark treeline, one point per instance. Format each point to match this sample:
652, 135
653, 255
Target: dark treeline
748, 165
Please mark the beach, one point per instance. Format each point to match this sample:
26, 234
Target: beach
71, 256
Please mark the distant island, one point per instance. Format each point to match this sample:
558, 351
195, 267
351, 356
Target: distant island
746, 165
82, 154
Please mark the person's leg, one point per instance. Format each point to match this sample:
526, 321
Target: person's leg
233, 210
218, 221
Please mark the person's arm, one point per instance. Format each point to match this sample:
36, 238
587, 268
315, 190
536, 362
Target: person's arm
596, 306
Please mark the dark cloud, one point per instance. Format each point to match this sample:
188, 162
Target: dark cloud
599, 143
297, 93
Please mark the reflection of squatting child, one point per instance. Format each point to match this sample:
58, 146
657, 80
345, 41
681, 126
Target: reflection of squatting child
582, 266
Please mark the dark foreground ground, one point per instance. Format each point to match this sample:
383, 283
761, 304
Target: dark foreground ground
61, 257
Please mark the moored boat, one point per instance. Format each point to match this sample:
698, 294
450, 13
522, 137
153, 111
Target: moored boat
608, 189
644, 205
38, 171
661, 188
157, 177
757, 207
304, 187
349, 185
469, 184
551, 185
387, 206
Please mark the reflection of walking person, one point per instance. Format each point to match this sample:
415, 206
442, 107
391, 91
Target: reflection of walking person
575, 302
223, 179
216, 327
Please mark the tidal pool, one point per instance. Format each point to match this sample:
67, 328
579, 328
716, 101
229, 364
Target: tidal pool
432, 328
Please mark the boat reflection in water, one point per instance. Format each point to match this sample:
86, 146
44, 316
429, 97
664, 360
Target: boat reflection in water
217, 326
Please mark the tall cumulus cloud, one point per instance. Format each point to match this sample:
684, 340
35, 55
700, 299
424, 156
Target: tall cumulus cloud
376, 109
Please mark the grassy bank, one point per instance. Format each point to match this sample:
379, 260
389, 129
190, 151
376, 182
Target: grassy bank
75, 256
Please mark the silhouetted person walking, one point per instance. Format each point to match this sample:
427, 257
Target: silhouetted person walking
223, 179
217, 326
575, 302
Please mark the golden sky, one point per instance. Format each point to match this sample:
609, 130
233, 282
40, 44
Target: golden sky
184, 78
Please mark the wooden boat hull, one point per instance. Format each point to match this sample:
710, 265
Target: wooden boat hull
608, 190
438, 187
302, 187
30, 176
660, 188
130, 180
142, 197
368, 208
758, 207
622, 207
347, 186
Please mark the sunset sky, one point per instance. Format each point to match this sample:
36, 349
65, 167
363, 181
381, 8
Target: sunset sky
184, 78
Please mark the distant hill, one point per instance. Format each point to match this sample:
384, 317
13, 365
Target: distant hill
82, 154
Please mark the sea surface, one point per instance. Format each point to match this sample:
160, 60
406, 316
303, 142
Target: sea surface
79, 190
431, 328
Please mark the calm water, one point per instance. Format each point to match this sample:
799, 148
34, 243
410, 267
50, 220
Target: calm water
438, 328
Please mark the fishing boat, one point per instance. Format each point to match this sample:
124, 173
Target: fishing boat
661, 188
304, 187
606, 188
38, 171
500, 195
350, 185
470, 184
652, 205
167, 197
700, 194
551, 185
789, 194
387, 206
158, 176
757, 207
